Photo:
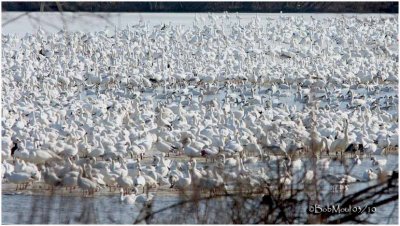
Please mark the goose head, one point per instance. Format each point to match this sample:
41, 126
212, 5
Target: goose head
156, 160
135, 190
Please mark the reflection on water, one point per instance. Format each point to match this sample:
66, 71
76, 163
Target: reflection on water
64, 210
17, 209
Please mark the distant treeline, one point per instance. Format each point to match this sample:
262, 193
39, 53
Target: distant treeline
267, 7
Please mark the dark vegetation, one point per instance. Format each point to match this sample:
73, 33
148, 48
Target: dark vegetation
266, 7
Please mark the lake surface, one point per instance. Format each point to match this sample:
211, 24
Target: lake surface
28, 208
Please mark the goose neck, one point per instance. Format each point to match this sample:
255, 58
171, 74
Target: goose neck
194, 162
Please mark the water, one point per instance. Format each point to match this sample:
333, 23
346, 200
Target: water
107, 209
98, 210
64, 210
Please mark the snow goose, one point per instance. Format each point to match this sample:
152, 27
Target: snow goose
125, 181
86, 184
370, 175
227, 162
150, 171
357, 102
161, 122
183, 181
357, 160
140, 180
135, 150
175, 168
196, 175
21, 179
110, 178
376, 162
98, 150
320, 143
127, 199
190, 151
151, 179
70, 150
234, 145
142, 199
21, 152
339, 145
70, 180
42, 156
338, 181
202, 141
50, 178
210, 153
160, 166
163, 146
164, 161
7, 168
8, 147
211, 181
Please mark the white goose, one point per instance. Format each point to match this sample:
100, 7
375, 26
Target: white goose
160, 167
196, 174
339, 145
70, 180
135, 150
211, 182
357, 160
191, 151
127, 199
228, 162
140, 180
125, 181
380, 162
183, 182
98, 151
142, 199
50, 178
110, 178
22, 180
234, 145
42, 156
163, 146
6, 168
210, 153
71, 150
86, 184
370, 175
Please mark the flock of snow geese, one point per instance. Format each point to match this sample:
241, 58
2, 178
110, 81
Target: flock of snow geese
203, 105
